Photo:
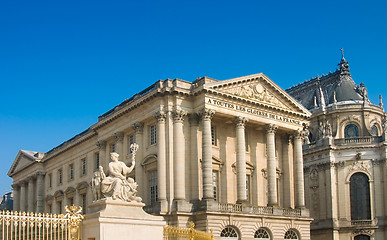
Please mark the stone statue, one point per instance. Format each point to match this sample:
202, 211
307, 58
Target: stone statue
118, 185
321, 131
96, 183
328, 129
362, 90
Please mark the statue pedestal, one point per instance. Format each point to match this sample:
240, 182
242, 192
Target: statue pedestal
115, 219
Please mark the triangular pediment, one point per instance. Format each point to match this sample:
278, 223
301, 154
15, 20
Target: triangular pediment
260, 89
23, 160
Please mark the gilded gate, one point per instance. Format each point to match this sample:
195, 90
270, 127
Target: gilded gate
38, 226
178, 233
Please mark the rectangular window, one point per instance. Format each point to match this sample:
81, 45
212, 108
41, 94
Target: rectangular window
215, 183
113, 147
71, 172
213, 135
246, 141
248, 188
60, 176
83, 203
152, 132
59, 207
131, 141
153, 186
50, 180
96, 161
84, 166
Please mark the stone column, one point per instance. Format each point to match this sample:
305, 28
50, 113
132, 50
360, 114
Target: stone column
271, 165
299, 169
206, 115
240, 123
139, 128
16, 197
40, 192
193, 119
178, 155
161, 160
119, 137
30, 195
22, 197
101, 144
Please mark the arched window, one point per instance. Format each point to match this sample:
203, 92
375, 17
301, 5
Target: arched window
351, 130
262, 234
362, 237
375, 131
291, 234
360, 197
229, 233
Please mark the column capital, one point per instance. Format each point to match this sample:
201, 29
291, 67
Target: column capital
101, 144
179, 115
193, 119
298, 134
30, 178
240, 121
271, 128
206, 113
118, 136
160, 115
15, 186
40, 173
138, 127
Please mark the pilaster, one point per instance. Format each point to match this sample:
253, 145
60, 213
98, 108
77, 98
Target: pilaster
193, 119
119, 140
139, 129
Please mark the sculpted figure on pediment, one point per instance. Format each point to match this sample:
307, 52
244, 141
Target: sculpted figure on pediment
255, 92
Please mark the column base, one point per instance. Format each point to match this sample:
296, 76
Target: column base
208, 205
242, 202
180, 205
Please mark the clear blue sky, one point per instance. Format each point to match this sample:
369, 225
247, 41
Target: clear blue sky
64, 63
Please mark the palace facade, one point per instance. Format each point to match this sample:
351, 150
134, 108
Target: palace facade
344, 158
226, 155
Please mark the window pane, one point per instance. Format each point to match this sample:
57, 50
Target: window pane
351, 130
153, 186
360, 197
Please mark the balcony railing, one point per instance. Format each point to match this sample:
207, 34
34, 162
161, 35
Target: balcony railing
241, 208
260, 210
355, 140
364, 222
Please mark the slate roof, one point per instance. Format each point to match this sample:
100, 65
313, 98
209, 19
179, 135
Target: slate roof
322, 91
